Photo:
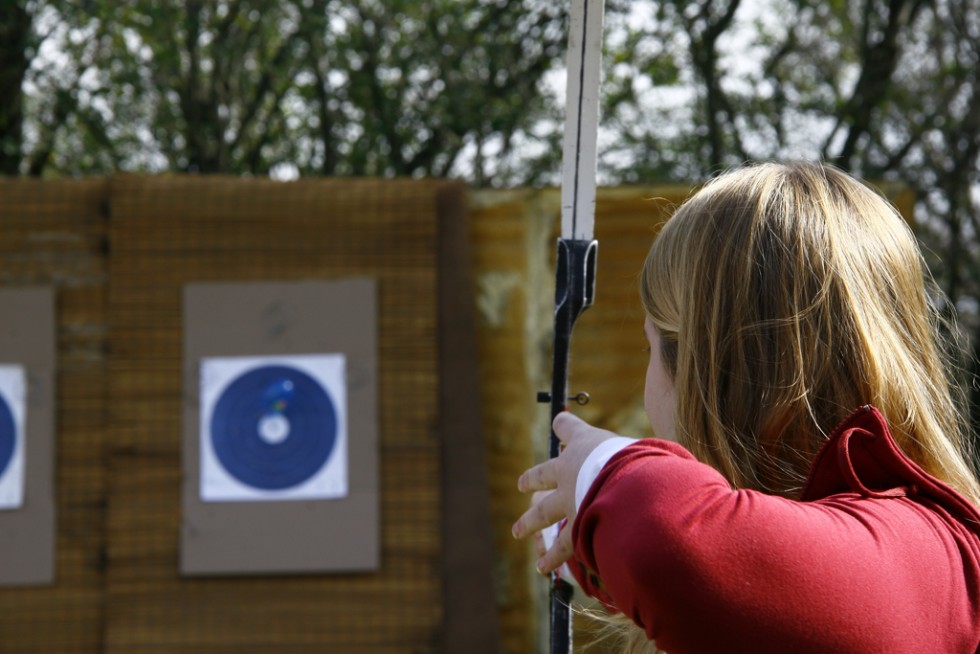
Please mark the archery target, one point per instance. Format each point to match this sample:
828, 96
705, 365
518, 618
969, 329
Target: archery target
273, 428
12, 417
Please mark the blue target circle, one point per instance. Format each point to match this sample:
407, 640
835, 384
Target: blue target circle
273, 427
8, 435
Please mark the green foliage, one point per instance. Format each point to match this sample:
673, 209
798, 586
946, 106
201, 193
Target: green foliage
290, 87
470, 88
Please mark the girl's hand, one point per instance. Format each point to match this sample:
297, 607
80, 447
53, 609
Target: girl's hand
558, 475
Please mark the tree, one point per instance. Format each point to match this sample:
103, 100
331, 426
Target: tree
298, 87
885, 88
415, 84
16, 23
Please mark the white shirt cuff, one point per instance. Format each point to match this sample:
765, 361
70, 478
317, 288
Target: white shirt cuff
594, 463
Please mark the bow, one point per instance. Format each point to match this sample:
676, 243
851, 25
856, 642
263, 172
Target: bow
576, 258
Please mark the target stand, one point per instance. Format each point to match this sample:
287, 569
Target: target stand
280, 442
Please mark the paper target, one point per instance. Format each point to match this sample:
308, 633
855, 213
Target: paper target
273, 428
12, 417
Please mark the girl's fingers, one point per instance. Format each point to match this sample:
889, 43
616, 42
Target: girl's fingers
541, 514
547, 509
560, 552
544, 476
540, 477
566, 424
539, 547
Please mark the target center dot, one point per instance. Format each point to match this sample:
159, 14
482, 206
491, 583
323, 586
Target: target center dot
274, 428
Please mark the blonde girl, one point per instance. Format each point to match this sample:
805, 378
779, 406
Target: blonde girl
810, 488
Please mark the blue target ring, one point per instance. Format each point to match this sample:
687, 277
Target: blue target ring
8, 436
273, 427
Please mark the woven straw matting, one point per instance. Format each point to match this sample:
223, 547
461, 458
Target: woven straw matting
53, 234
166, 232
513, 235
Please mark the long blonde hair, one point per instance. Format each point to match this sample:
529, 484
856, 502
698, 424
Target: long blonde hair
786, 296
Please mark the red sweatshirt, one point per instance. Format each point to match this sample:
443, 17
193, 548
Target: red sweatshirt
877, 556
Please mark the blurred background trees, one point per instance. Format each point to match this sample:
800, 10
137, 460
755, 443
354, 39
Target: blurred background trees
473, 89
303, 87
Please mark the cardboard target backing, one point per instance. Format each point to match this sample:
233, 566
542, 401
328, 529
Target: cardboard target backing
280, 430
27, 399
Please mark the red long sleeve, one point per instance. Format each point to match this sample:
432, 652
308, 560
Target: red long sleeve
703, 568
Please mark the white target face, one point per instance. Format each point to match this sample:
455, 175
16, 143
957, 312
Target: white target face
273, 428
13, 410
